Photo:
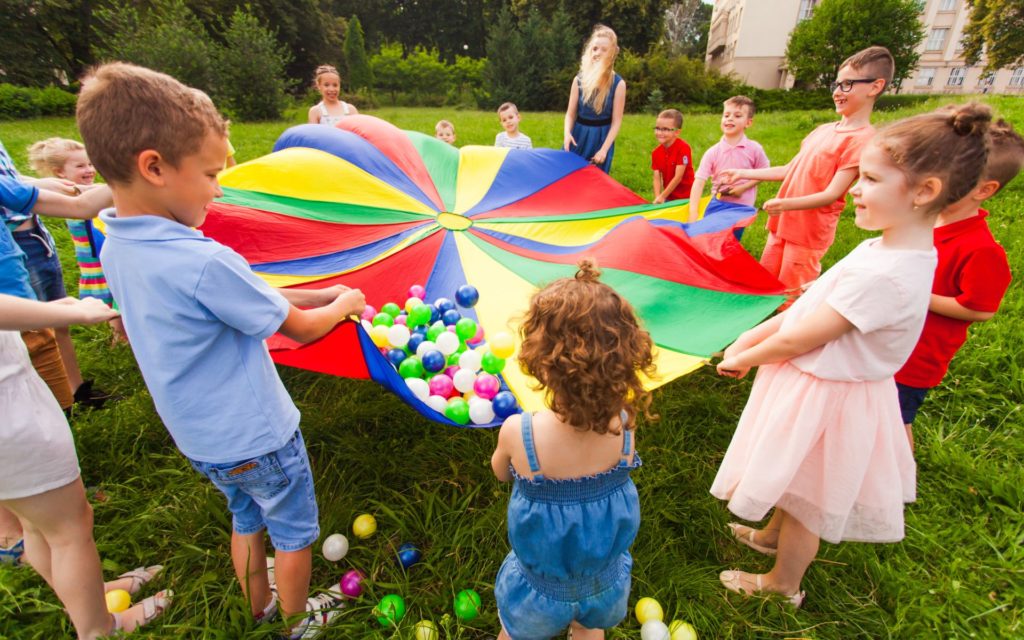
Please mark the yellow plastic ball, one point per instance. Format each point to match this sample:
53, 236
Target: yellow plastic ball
648, 609
364, 526
502, 345
426, 630
680, 630
118, 600
379, 335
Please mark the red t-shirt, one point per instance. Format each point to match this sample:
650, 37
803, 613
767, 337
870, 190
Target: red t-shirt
666, 161
973, 269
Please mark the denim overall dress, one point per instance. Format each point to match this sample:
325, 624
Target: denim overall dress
570, 548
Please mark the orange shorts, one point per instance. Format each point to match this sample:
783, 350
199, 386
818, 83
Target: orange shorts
45, 355
794, 265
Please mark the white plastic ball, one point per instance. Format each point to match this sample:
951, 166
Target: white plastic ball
480, 411
437, 403
335, 547
464, 379
470, 359
398, 335
419, 387
425, 346
654, 630
448, 343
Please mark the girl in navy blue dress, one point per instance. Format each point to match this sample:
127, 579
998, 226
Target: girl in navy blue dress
574, 510
597, 100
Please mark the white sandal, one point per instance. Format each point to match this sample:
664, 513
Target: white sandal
748, 538
139, 577
152, 607
733, 581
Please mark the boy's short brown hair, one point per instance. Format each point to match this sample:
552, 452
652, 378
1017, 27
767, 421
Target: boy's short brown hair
874, 62
443, 124
672, 114
124, 109
1005, 154
505, 106
742, 101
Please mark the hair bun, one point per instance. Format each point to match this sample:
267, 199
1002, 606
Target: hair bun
971, 119
588, 271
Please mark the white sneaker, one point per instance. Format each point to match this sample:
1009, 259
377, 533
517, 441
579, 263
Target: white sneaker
321, 608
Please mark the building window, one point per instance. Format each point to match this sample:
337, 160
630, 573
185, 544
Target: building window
936, 40
947, 5
806, 10
1017, 77
925, 77
956, 76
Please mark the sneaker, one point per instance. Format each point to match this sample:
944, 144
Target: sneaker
321, 608
88, 396
270, 612
12, 555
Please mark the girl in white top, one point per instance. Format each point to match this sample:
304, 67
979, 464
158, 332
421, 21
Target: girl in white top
820, 439
40, 481
331, 109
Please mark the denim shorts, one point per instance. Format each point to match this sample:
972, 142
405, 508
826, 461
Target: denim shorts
911, 399
532, 611
272, 492
44, 272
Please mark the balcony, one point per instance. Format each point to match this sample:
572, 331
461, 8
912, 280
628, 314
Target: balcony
719, 35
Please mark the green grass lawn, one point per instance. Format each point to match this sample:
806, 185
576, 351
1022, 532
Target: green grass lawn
958, 573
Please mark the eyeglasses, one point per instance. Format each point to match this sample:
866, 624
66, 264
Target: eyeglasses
847, 85
664, 129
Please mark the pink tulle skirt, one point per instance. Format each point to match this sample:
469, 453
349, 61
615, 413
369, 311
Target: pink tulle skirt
833, 454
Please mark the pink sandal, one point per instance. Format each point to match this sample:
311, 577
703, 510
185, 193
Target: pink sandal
139, 577
733, 581
152, 607
747, 538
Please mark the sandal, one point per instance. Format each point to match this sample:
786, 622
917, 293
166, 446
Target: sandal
152, 607
12, 555
138, 576
747, 537
733, 581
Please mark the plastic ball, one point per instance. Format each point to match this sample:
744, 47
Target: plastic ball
391, 309
654, 630
418, 315
435, 330
379, 335
467, 296
352, 583
504, 404
486, 386
649, 609
411, 303
441, 385
411, 367
466, 605
433, 360
425, 346
335, 547
419, 387
457, 410
118, 600
368, 312
502, 345
492, 363
382, 318
398, 335
444, 304
408, 555
471, 360
364, 526
390, 610
478, 337
437, 403
465, 328
415, 340
451, 369
464, 379
680, 630
451, 316
448, 342
395, 356
480, 411
417, 291
425, 630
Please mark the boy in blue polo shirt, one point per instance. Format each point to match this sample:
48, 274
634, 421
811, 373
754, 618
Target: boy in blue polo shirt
197, 318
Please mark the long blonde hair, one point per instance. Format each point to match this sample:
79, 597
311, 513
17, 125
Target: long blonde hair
49, 156
596, 79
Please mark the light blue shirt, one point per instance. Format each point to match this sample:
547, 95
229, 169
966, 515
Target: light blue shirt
197, 317
17, 197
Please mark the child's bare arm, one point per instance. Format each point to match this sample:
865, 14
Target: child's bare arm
313, 297
501, 458
83, 207
949, 307
728, 176
672, 184
656, 186
19, 314
307, 325
836, 189
314, 115
696, 193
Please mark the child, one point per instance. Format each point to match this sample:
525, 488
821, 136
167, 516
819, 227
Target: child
197, 317
597, 100
803, 217
445, 130
972, 276
671, 160
511, 137
331, 109
63, 158
819, 439
574, 510
734, 151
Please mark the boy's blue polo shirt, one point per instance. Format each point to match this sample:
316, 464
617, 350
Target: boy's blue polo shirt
197, 317
18, 197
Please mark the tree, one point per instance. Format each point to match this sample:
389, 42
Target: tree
840, 28
686, 28
250, 75
360, 74
45, 41
637, 23
995, 28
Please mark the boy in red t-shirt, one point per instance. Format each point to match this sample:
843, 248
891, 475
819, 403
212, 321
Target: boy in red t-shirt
671, 160
970, 279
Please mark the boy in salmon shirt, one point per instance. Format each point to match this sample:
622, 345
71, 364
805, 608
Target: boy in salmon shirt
804, 215
671, 160
970, 280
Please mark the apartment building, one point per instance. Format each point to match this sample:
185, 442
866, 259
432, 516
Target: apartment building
748, 39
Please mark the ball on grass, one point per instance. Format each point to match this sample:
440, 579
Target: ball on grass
364, 526
335, 547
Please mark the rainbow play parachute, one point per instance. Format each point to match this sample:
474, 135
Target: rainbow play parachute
370, 206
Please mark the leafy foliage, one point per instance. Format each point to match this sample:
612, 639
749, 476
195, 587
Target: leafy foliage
687, 24
995, 29
251, 80
637, 23
360, 74
30, 102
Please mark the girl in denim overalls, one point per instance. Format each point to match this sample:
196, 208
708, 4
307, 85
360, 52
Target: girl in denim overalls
574, 510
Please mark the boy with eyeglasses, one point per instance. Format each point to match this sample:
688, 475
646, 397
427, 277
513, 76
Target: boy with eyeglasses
803, 216
671, 160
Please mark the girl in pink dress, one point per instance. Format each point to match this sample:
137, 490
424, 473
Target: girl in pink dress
820, 439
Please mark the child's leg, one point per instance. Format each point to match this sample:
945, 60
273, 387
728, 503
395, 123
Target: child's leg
797, 548
292, 571
580, 632
59, 544
45, 356
68, 357
910, 435
10, 528
249, 557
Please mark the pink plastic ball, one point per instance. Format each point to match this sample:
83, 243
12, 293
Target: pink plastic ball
401, 320
368, 313
441, 385
478, 337
417, 291
351, 583
451, 371
486, 386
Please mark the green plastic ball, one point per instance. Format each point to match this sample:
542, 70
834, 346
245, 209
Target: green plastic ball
435, 330
411, 367
390, 610
467, 605
420, 314
391, 309
492, 363
465, 328
384, 319
457, 411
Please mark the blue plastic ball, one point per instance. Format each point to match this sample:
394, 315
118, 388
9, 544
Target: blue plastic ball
395, 356
420, 329
504, 404
414, 340
408, 555
435, 314
467, 295
444, 304
451, 316
433, 361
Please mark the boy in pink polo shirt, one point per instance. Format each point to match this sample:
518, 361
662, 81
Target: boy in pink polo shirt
804, 215
734, 151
